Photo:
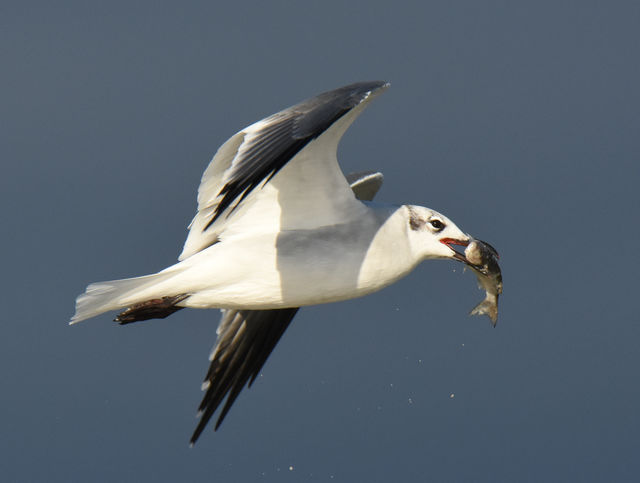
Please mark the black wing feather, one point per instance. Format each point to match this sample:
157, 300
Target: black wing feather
246, 339
285, 135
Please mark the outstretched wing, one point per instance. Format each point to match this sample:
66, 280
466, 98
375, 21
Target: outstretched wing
247, 337
291, 157
245, 340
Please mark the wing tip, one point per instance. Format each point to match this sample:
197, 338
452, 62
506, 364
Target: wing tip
369, 85
365, 90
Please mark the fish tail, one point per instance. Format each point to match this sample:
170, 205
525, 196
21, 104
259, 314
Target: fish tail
488, 308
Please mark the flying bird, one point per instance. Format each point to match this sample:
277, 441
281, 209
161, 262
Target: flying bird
278, 226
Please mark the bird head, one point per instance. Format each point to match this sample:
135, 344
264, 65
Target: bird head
433, 235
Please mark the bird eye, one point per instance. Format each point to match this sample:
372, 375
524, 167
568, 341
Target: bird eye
437, 224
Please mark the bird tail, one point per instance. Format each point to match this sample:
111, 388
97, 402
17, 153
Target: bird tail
102, 297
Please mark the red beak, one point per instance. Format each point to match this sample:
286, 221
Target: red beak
451, 242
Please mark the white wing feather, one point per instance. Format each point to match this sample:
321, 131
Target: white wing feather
310, 190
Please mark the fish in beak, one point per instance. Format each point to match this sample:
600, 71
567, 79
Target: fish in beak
483, 260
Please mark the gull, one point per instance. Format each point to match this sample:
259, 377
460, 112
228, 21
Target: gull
278, 226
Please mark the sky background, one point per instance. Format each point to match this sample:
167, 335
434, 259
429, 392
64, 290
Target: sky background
518, 120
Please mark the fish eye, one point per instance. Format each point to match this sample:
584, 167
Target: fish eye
437, 224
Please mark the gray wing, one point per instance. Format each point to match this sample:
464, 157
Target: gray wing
299, 145
365, 184
284, 135
247, 337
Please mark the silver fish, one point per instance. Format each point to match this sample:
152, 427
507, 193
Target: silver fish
483, 260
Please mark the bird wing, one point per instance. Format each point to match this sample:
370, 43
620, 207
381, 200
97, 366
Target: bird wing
245, 340
247, 337
291, 157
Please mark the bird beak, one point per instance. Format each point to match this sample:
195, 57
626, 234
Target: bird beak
451, 242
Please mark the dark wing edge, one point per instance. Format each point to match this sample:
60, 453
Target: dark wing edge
246, 338
282, 136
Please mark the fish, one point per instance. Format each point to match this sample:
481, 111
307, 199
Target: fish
482, 258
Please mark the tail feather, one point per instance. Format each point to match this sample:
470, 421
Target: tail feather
103, 297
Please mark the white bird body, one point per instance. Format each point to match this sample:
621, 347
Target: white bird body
299, 238
290, 268
279, 227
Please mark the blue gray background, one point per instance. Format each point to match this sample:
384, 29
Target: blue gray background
518, 120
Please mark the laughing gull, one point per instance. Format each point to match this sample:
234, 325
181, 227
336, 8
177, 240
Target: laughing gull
278, 227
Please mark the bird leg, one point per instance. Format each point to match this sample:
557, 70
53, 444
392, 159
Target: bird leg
151, 309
